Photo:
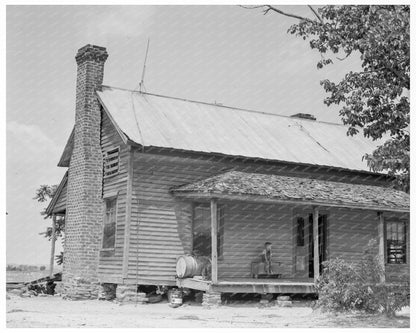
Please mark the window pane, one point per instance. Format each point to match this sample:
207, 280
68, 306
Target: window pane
109, 232
109, 235
396, 242
400, 232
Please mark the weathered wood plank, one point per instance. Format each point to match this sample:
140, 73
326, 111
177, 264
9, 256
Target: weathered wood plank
126, 249
214, 232
316, 243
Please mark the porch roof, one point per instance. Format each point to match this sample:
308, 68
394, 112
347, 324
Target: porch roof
58, 203
236, 185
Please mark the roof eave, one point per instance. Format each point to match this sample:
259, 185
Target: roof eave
50, 209
203, 153
262, 199
66, 154
122, 135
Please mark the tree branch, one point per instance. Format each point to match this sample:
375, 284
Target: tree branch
272, 8
346, 56
316, 14
268, 8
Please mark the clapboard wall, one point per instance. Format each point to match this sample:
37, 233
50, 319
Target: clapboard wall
111, 262
161, 226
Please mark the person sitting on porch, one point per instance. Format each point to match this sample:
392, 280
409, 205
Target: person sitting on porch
266, 258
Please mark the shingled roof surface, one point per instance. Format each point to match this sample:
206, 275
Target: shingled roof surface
160, 121
299, 189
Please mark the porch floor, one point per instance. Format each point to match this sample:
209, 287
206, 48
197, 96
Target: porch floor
250, 285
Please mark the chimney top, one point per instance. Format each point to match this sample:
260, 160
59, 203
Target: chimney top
304, 116
91, 52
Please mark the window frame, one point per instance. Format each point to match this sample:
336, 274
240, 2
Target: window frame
404, 242
106, 200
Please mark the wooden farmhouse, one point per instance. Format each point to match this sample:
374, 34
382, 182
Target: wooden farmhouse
152, 178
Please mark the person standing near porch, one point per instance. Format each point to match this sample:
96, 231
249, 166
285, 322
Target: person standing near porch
266, 258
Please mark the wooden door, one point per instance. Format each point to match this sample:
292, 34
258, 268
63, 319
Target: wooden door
301, 246
323, 236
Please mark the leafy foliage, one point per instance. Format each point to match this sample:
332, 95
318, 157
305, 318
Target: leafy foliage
376, 98
59, 228
43, 194
346, 286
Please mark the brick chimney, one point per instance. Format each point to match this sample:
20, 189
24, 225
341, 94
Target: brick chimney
304, 116
84, 214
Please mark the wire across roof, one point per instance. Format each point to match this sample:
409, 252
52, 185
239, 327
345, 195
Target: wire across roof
159, 121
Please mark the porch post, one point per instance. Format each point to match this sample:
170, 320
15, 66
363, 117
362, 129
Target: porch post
381, 251
316, 243
53, 239
214, 255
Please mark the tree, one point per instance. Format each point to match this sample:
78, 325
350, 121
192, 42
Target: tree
375, 99
43, 194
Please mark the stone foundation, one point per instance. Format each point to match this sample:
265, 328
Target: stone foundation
127, 294
284, 301
107, 291
81, 288
210, 299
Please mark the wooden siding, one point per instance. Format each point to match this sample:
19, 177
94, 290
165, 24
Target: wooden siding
349, 232
246, 228
161, 226
111, 262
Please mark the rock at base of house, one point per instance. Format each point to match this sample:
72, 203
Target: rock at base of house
127, 294
107, 291
266, 300
211, 299
80, 289
284, 301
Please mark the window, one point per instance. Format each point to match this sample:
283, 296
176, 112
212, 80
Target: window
202, 230
396, 242
111, 162
300, 231
109, 233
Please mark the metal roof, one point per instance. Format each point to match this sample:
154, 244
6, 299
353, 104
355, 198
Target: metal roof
159, 121
236, 185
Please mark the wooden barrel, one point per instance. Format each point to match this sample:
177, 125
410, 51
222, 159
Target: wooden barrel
189, 266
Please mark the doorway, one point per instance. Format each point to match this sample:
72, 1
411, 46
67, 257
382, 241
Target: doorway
323, 240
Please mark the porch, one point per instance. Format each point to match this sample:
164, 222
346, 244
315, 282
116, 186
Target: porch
250, 285
260, 207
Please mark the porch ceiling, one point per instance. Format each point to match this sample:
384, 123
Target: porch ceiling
235, 185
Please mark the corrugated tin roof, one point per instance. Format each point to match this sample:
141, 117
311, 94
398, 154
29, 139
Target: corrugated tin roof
160, 121
245, 185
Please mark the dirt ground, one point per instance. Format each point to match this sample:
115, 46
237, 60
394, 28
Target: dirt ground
53, 311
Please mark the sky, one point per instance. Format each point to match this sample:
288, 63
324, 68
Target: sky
223, 54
